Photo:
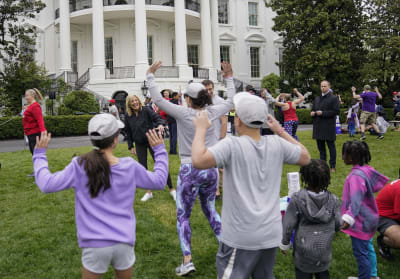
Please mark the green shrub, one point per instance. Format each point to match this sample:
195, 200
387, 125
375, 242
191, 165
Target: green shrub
78, 101
62, 125
271, 82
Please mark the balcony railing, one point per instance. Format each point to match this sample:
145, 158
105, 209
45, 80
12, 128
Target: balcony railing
160, 2
201, 73
118, 2
77, 5
192, 5
120, 72
167, 72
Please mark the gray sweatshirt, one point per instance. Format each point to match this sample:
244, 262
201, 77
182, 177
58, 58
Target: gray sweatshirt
184, 116
315, 219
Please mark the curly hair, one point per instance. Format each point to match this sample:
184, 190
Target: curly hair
202, 99
316, 175
356, 152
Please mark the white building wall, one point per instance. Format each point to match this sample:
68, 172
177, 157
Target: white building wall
237, 34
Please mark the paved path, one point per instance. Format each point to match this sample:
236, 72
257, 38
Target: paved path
62, 142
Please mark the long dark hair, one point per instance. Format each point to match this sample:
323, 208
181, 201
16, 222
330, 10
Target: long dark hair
356, 152
316, 175
203, 99
96, 166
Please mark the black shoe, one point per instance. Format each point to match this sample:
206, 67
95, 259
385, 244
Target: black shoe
384, 250
217, 197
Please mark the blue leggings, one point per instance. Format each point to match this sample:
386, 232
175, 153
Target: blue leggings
291, 128
192, 183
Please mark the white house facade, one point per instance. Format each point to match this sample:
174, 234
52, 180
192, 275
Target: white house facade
106, 46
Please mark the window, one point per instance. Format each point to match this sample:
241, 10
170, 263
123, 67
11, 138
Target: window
173, 53
225, 53
150, 49
74, 56
193, 59
223, 15
255, 62
253, 14
109, 56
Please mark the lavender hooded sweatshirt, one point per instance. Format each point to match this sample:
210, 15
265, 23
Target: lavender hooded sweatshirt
109, 218
359, 207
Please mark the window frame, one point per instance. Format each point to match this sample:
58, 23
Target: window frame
229, 52
227, 15
150, 50
255, 68
253, 17
109, 60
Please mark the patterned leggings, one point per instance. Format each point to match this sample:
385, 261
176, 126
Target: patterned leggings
291, 128
192, 183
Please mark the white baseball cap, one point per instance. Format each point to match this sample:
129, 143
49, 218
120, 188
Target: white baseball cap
193, 89
104, 125
251, 109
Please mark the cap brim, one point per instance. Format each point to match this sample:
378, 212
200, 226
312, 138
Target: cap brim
121, 124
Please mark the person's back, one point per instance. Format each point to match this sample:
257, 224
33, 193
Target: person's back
314, 214
318, 219
369, 101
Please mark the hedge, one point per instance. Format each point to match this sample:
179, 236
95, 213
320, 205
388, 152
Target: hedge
75, 125
63, 125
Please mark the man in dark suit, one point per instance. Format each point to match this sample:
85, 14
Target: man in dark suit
324, 111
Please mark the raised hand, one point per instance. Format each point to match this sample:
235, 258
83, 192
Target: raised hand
154, 138
226, 69
153, 68
273, 124
353, 89
44, 140
201, 120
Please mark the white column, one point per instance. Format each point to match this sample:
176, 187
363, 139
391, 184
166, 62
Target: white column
141, 39
97, 72
65, 37
215, 34
206, 43
185, 72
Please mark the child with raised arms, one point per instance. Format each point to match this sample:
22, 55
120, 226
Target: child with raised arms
251, 219
104, 188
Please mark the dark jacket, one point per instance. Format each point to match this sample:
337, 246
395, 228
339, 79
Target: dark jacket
137, 126
170, 119
315, 220
324, 126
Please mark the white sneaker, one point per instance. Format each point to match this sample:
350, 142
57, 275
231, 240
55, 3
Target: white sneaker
146, 197
185, 269
173, 194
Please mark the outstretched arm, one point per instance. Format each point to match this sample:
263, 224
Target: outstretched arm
299, 95
277, 102
377, 92
355, 96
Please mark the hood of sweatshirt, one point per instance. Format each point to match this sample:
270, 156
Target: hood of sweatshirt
375, 180
318, 208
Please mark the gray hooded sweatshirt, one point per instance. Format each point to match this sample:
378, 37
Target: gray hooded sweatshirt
315, 219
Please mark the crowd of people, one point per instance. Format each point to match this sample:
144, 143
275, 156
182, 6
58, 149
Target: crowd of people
250, 229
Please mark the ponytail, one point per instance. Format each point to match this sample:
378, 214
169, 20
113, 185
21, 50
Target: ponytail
203, 99
35, 93
97, 167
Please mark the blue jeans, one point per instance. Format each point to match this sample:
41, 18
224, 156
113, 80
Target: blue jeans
352, 128
361, 251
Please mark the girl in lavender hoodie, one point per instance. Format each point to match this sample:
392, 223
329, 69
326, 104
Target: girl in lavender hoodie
104, 188
359, 210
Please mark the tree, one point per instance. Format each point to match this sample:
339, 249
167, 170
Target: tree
271, 82
14, 33
78, 101
382, 67
20, 76
322, 40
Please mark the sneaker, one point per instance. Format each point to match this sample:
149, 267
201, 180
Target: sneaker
173, 194
383, 249
31, 174
380, 137
146, 197
185, 269
362, 138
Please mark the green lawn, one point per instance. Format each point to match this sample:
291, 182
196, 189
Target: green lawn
38, 237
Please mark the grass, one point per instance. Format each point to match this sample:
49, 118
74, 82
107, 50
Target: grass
38, 235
